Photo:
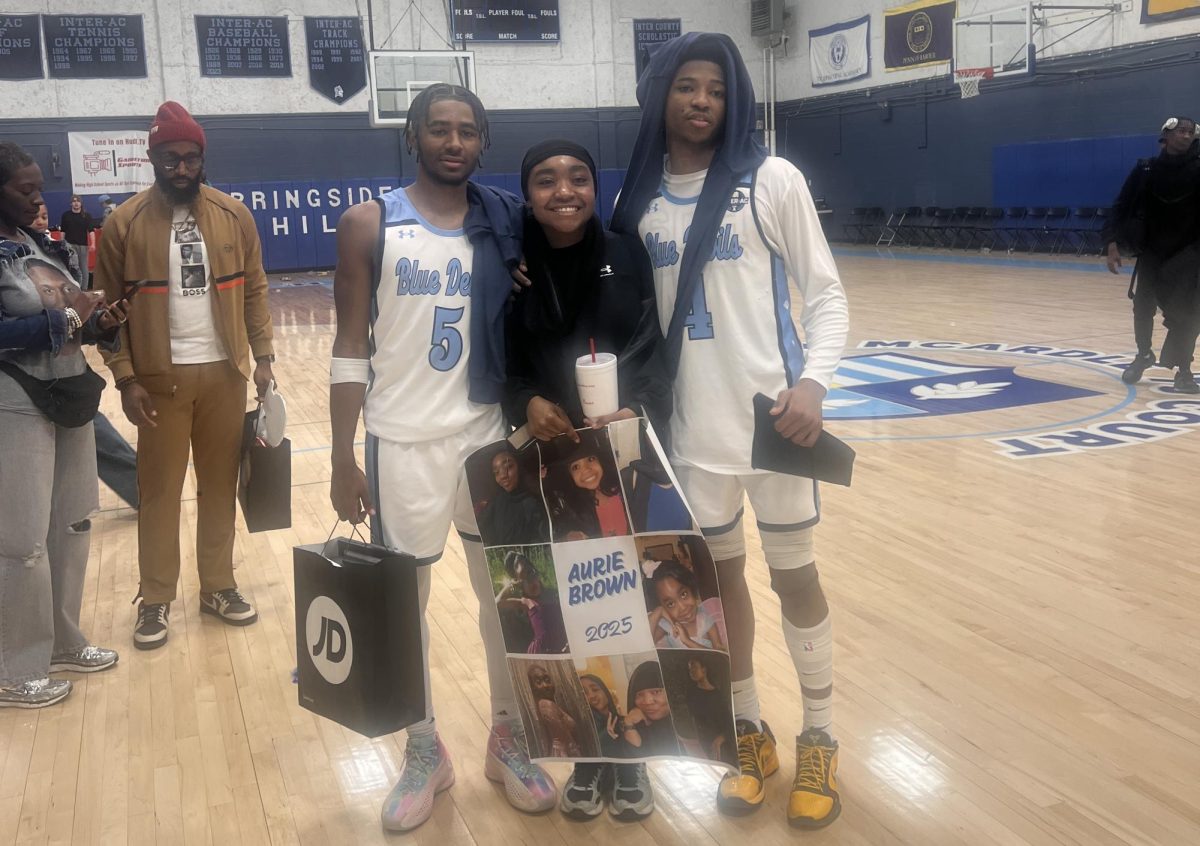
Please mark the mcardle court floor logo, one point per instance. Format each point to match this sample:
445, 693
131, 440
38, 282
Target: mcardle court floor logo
1028, 400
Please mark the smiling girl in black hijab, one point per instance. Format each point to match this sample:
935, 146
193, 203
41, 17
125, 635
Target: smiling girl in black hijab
587, 284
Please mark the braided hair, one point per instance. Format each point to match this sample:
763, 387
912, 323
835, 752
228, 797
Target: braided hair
418, 112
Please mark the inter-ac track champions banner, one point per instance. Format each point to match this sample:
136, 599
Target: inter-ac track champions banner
918, 34
607, 597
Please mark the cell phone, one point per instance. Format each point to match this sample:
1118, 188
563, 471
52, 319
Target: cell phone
131, 292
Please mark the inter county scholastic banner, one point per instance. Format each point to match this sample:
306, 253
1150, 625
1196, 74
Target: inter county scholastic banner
840, 52
94, 46
231, 46
918, 34
1155, 11
607, 596
337, 66
515, 20
20, 47
649, 33
109, 162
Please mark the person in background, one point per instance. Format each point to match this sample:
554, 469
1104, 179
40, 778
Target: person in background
192, 332
108, 206
1157, 216
76, 224
41, 224
47, 466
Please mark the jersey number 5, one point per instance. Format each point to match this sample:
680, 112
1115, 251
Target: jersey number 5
699, 321
447, 342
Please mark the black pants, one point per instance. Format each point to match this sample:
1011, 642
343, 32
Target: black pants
1175, 285
1145, 306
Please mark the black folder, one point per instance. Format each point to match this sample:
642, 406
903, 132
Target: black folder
828, 460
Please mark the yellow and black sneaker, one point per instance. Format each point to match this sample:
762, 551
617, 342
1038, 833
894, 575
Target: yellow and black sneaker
814, 801
744, 792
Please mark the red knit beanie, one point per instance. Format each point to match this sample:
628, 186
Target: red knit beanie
173, 123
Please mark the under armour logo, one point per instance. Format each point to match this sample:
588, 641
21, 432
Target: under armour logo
406, 233
652, 208
606, 270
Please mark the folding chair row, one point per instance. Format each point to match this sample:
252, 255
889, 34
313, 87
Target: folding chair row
1051, 229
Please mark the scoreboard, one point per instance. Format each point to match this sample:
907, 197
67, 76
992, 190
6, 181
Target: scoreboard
479, 20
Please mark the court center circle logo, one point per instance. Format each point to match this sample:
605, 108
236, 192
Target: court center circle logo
838, 49
920, 32
329, 640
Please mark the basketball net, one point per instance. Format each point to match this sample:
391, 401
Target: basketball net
968, 80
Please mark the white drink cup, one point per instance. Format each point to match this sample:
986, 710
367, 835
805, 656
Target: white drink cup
597, 383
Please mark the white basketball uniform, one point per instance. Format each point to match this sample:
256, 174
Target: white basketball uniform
420, 424
739, 338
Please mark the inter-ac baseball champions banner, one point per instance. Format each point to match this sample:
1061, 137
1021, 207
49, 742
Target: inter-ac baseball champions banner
841, 52
918, 34
607, 597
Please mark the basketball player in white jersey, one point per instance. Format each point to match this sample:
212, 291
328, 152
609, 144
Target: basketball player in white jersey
729, 230
420, 282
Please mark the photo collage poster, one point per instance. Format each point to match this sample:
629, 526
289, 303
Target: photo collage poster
607, 597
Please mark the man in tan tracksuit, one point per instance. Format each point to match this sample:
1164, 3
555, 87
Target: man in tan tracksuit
191, 255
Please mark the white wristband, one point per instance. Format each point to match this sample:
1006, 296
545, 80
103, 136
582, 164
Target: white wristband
349, 370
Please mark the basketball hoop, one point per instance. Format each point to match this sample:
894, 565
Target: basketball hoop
968, 80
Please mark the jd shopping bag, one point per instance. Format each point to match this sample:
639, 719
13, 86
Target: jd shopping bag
358, 635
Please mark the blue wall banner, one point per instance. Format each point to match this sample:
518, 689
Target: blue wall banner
648, 33
918, 34
337, 65
241, 47
95, 46
840, 52
20, 47
1156, 11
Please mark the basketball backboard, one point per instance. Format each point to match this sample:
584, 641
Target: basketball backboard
396, 76
1000, 40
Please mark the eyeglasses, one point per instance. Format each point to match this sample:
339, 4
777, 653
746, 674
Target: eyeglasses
170, 162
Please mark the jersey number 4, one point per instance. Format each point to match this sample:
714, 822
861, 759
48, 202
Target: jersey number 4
447, 342
699, 321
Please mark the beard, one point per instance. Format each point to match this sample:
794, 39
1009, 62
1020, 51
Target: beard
178, 196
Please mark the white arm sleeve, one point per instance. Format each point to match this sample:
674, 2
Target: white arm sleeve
793, 229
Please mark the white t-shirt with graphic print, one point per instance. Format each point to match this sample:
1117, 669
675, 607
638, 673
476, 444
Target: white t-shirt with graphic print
194, 338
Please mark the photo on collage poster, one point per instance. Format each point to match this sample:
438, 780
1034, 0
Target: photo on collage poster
583, 488
629, 706
679, 581
553, 708
506, 495
697, 683
526, 590
653, 502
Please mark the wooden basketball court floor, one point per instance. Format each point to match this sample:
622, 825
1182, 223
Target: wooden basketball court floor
1017, 641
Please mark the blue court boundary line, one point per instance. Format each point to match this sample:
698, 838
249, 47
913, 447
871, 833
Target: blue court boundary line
1006, 261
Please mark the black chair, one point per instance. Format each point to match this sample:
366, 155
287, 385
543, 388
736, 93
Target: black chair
853, 227
1055, 227
1035, 227
991, 228
1012, 228
968, 229
1081, 228
1093, 241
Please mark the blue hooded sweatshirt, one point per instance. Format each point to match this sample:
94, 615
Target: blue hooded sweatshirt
738, 153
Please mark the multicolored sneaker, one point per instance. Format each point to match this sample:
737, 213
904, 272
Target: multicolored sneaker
426, 772
585, 791
632, 796
814, 801
528, 787
744, 792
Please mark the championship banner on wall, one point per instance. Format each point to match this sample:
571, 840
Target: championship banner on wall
337, 64
243, 47
95, 46
841, 52
1156, 11
918, 34
607, 596
109, 162
21, 47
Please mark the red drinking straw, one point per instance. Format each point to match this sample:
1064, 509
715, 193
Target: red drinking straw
592, 344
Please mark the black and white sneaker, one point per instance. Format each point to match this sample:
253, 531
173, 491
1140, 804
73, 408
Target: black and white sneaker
151, 629
1185, 382
632, 797
584, 793
230, 606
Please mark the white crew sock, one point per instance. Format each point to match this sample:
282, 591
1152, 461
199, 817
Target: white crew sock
745, 702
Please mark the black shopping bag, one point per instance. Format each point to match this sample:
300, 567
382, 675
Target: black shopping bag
264, 480
358, 635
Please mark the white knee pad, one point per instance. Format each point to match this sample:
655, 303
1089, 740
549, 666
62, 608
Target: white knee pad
727, 545
788, 550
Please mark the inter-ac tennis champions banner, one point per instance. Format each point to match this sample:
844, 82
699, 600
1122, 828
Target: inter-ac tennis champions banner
841, 52
918, 34
607, 597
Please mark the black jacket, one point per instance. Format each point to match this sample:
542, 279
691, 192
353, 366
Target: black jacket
610, 299
1158, 209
